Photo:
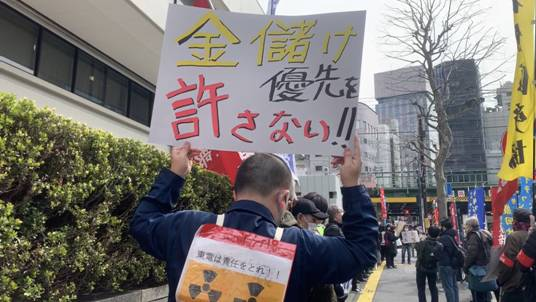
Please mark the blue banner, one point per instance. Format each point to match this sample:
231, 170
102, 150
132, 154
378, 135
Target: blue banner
507, 216
525, 193
448, 189
477, 206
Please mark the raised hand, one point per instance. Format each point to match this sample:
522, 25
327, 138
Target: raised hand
181, 159
350, 164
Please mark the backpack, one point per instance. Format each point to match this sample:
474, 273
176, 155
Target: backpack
458, 255
430, 254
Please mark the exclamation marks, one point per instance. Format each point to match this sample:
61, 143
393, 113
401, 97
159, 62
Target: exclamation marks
342, 123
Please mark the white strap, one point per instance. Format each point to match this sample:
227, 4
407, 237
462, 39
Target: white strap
278, 234
220, 219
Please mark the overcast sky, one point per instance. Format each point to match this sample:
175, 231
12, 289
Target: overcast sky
499, 16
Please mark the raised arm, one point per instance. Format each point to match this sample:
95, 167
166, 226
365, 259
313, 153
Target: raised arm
153, 220
339, 259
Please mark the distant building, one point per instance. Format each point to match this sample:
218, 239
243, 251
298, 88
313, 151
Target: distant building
467, 160
367, 126
397, 92
388, 165
495, 124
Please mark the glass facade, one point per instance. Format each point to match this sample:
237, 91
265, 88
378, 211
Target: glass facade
56, 61
19, 36
51, 58
465, 117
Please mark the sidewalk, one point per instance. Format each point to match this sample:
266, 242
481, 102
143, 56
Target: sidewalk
388, 285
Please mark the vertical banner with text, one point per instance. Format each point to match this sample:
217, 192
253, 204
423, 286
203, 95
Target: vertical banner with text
240, 82
519, 154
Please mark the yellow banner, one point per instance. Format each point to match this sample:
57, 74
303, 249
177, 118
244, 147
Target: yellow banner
519, 154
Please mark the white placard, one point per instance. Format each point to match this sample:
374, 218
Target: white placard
242, 82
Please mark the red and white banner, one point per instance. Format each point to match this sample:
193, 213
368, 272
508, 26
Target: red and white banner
225, 264
383, 204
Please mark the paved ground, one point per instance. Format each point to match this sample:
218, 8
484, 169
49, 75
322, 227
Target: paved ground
398, 285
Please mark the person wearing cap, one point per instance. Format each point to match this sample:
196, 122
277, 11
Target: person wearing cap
320, 203
509, 273
308, 215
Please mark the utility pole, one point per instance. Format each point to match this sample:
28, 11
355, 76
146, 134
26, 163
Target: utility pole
422, 171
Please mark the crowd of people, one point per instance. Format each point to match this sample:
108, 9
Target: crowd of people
335, 248
442, 256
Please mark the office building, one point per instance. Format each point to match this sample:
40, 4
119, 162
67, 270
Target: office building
460, 83
397, 92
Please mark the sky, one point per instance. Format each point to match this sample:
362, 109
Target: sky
498, 15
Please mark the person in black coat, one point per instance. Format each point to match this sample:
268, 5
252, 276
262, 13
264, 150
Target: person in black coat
390, 246
447, 270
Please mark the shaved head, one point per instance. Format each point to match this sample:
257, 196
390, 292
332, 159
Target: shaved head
263, 174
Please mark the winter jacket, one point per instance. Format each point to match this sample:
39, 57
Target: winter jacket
478, 245
333, 230
167, 235
431, 246
447, 239
527, 255
509, 273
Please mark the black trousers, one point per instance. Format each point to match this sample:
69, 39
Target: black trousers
432, 284
513, 296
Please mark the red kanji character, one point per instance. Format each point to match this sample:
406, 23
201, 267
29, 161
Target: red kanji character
213, 99
249, 125
307, 131
278, 135
180, 115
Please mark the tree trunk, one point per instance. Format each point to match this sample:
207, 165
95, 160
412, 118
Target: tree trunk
441, 196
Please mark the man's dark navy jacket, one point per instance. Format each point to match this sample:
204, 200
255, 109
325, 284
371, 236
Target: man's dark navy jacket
319, 260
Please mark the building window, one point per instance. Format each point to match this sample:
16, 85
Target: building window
141, 101
90, 76
56, 61
318, 168
19, 38
116, 96
332, 195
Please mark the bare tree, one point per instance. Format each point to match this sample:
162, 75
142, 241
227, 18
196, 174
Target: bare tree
428, 33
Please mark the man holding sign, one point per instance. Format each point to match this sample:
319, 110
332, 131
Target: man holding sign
262, 190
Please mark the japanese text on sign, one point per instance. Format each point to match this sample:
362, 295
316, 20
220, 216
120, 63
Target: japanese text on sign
243, 82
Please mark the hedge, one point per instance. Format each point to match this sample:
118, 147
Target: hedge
67, 193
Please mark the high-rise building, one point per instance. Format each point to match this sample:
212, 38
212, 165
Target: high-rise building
388, 165
460, 81
495, 124
93, 61
398, 92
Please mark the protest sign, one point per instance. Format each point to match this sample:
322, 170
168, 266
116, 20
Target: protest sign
240, 82
225, 264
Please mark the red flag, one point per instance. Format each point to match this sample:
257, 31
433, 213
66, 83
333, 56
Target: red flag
221, 162
496, 225
436, 213
505, 190
383, 204
454, 218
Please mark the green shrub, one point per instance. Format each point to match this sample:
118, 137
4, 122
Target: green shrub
67, 193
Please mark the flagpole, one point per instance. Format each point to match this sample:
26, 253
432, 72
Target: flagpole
534, 108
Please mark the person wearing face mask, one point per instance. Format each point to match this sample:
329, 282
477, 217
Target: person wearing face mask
262, 190
308, 215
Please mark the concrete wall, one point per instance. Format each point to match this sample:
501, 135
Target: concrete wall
70, 105
155, 294
399, 82
326, 185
